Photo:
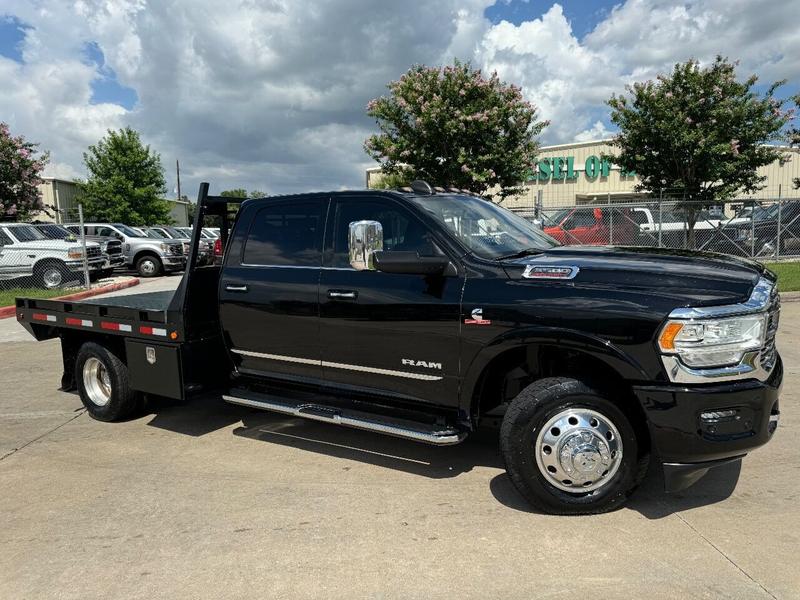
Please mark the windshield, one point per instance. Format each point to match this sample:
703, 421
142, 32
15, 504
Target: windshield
485, 228
127, 230
27, 233
55, 232
157, 233
176, 233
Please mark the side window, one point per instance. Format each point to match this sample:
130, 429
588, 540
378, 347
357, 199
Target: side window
580, 218
4, 239
401, 231
75, 229
286, 234
640, 217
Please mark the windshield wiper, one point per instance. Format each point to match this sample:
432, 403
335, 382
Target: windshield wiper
521, 253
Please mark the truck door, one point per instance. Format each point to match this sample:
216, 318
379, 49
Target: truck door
396, 334
268, 295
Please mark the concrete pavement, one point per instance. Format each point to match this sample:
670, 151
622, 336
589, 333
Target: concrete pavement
207, 500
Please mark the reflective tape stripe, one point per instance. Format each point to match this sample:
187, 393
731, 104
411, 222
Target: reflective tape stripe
336, 365
152, 331
79, 322
43, 317
115, 326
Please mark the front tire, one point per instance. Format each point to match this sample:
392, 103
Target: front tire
52, 275
569, 450
104, 383
149, 266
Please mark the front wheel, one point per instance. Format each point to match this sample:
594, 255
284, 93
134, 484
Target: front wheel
149, 266
52, 275
569, 450
103, 383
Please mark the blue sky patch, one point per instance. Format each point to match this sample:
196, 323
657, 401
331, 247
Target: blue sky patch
106, 87
12, 34
584, 15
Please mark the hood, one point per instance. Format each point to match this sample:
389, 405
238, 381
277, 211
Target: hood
52, 245
687, 277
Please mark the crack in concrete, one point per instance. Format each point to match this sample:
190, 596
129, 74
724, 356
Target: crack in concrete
725, 556
45, 434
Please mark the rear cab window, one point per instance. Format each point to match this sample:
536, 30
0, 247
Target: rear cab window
286, 233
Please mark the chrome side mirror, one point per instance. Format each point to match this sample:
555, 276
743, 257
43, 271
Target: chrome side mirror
365, 238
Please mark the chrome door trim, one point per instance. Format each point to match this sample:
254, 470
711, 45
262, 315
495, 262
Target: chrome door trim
336, 365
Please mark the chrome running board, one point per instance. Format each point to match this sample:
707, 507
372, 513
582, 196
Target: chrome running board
438, 435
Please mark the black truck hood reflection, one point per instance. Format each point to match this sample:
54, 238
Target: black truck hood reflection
689, 277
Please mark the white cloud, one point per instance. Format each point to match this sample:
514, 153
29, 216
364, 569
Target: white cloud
271, 95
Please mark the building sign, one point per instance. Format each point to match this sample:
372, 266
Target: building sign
563, 168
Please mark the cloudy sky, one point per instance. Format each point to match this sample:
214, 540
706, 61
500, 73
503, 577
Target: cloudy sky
270, 94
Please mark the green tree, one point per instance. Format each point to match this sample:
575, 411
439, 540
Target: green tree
126, 181
20, 175
698, 132
454, 127
235, 193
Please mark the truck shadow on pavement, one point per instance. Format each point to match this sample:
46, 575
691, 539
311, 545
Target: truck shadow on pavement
209, 414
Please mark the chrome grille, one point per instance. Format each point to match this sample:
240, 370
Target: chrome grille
176, 249
113, 247
93, 251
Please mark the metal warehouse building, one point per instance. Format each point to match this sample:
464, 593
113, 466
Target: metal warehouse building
59, 197
571, 174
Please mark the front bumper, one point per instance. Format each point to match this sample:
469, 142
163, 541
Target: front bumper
693, 428
94, 264
174, 263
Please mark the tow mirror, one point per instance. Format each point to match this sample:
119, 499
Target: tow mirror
365, 239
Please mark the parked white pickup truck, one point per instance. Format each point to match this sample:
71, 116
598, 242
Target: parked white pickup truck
650, 220
26, 252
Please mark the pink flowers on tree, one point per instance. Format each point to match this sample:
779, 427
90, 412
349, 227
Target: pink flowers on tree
20, 174
454, 126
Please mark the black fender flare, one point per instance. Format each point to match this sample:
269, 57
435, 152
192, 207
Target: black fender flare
616, 359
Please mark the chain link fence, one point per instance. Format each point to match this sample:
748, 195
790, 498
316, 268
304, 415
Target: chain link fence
764, 229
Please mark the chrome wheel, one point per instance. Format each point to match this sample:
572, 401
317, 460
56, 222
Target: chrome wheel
148, 267
52, 277
96, 381
578, 450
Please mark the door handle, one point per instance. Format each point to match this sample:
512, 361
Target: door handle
235, 288
343, 294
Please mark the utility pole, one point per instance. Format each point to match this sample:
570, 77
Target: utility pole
178, 171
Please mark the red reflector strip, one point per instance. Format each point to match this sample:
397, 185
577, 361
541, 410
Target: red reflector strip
115, 326
78, 322
153, 331
43, 317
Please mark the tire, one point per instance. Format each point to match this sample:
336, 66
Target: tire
149, 266
104, 383
51, 275
529, 430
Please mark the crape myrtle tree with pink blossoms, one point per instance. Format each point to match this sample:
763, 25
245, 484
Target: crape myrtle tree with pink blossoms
699, 133
454, 127
21, 166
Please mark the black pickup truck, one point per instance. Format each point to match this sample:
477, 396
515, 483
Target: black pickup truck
417, 312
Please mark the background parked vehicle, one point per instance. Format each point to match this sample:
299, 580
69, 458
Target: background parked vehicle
52, 263
110, 247
205, 251
592, 226
149, 256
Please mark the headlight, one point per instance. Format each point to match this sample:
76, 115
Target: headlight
75, 252
164, 247
713, 342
